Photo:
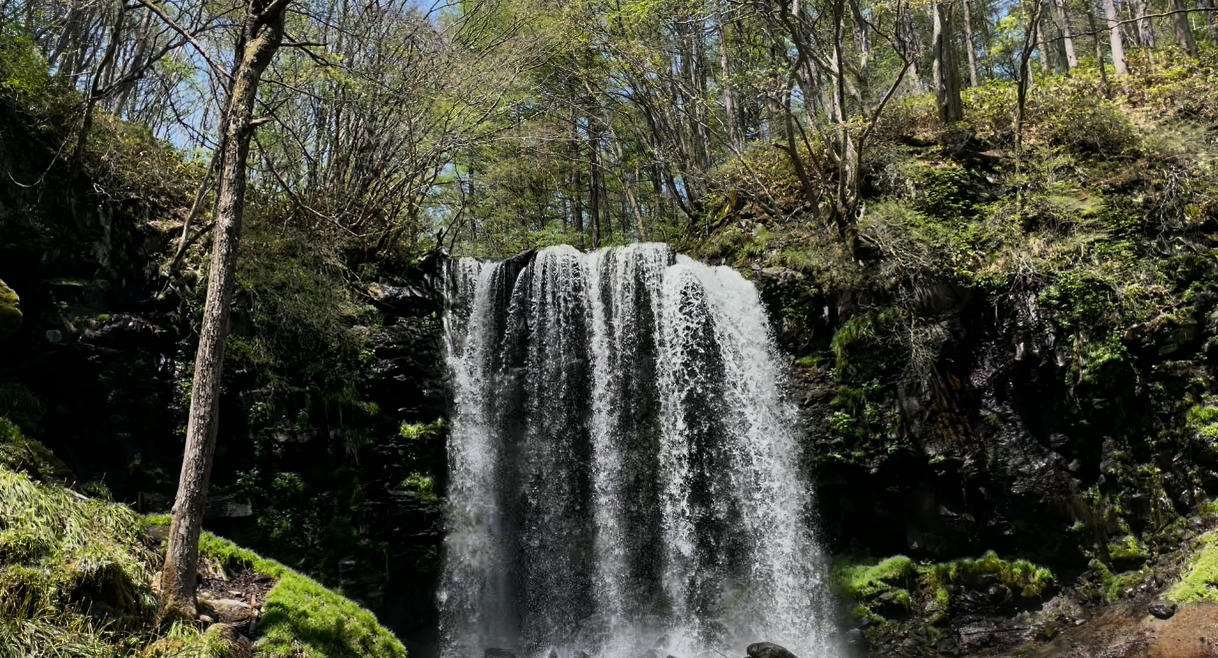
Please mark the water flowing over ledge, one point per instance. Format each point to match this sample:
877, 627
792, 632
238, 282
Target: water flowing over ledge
624, 469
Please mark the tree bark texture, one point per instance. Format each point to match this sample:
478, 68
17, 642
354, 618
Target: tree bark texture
1114, 37
1184, 29
947, 73
1146, 26
261, 37
1063, 24
970, 44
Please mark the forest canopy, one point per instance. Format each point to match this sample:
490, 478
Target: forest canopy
489, 126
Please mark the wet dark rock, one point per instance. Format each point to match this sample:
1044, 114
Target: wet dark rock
494, 652
768, 650
1162, 609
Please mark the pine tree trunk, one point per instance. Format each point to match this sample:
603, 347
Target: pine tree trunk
947, 74
911, 51
970, 44
1046, 61
1211, 20
1114, 37
1184, 29
262, 34
1063, 24
1146, 26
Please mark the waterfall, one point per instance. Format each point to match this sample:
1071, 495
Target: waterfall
624, 476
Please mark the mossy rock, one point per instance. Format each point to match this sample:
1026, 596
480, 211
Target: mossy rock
1200, 581
10, 310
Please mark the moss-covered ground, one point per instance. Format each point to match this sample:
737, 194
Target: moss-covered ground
1199, 581
77, 575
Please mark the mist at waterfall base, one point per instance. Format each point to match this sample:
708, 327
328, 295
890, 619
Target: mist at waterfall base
624, 469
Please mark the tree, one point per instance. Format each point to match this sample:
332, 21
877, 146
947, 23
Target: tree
1063, 25
1184, 29
946, 69
261, 36
1114, 37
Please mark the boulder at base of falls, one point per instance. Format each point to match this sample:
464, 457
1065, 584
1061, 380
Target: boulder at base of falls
768, 650
1162, 609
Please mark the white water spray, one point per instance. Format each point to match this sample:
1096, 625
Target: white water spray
624, 469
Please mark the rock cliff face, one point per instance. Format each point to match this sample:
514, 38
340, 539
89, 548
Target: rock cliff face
335, 471
997, 439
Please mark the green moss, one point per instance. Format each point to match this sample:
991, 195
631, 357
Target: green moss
302, 619
10, 310
62, 555
1200, 582
58, 549
1130, 548
864, 580
424, 486
418, 432
1203, 418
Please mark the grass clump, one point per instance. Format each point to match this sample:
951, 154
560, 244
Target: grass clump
76, 573
302, 619
1200, 582
862, 580
894, 584
1020, 576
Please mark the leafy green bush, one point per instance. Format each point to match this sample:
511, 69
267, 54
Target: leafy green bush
1067, 113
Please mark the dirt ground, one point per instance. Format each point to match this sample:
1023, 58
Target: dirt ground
1129, 631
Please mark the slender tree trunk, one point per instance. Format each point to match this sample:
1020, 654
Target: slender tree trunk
1211, 20
970, 44
1184, 29
107, 62
947, 73
911, 51
725, 76
1146, 26
594, 188
261, 37
1099, 53
1114, 37
1046, 59
1063, 24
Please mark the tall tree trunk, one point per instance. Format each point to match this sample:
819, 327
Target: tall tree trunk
970, 44
910, 40
1211, 20
1063, 24
577, 187
1184, 29
261, 37
1046, 60
1114, 37
725, 76
947, 73
594, 188
1146, 26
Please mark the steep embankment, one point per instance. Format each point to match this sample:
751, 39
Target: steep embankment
77, 571
1018, 358
331, 454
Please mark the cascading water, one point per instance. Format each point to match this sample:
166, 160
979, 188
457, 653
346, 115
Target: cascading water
623, 465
